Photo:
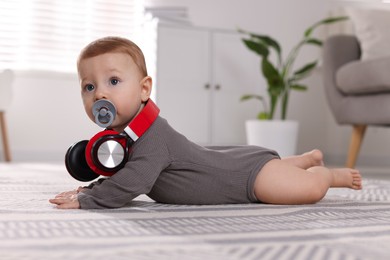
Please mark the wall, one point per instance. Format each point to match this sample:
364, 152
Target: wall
47, 114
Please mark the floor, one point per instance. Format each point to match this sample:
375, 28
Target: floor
346, 224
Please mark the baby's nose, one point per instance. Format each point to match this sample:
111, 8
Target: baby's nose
100, 94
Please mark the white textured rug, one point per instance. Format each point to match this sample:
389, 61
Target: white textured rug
345, 225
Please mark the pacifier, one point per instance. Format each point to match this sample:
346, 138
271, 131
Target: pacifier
104, 112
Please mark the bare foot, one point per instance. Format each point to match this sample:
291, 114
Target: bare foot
314, 158
346, 178
307, 160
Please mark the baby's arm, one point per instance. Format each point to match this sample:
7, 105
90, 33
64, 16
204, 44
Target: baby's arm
147, 160
67, 199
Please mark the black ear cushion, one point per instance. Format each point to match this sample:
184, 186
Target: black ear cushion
76, 163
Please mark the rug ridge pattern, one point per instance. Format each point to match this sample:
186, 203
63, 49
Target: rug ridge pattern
346, 224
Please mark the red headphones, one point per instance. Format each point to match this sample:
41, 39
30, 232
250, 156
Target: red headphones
107, 151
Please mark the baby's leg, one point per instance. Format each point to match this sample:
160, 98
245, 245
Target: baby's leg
279, 182
306, 160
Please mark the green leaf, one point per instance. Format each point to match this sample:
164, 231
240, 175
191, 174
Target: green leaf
263, 116
260, 48
298, 87
304, 71
314, 41
324, 21
271, 73
247, 97
333, 19
268, 41
274, 79
264, 39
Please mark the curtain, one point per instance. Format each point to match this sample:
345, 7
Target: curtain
48, 34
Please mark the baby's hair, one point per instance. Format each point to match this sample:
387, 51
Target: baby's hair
114, 44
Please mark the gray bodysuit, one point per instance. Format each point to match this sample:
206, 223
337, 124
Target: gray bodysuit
169, 168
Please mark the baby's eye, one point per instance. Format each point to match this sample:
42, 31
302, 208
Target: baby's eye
114, 81
89, 87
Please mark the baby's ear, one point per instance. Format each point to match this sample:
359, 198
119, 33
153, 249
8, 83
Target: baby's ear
146, 85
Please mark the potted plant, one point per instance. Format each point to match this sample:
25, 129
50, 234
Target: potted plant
281, 78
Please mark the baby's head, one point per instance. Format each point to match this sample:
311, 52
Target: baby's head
114, 44
114, 69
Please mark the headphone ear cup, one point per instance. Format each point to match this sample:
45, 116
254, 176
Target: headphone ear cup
110, 154
76, 163
107, 152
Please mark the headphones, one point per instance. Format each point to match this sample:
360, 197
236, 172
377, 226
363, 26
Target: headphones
107, 151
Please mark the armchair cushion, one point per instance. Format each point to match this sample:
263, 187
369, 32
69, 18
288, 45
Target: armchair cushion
364, 76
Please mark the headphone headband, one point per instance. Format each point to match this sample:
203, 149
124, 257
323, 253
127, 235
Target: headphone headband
140, 123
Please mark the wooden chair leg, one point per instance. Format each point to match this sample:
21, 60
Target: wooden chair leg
7, 152
355, 144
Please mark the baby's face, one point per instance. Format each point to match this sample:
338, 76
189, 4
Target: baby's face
115, 77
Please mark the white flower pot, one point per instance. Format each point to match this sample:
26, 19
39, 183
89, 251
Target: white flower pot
279, 135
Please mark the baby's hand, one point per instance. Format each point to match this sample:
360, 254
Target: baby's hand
67, 199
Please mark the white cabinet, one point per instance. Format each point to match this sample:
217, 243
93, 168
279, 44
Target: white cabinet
200, 77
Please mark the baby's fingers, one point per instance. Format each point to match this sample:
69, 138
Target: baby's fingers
58, 201
65, 203
66, 194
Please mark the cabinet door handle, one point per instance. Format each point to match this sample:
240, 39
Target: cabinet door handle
207, 86
217, 87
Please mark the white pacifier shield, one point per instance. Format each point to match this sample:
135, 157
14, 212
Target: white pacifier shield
104, 112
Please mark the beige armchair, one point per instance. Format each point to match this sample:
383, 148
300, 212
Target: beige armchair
358, 91
6, 80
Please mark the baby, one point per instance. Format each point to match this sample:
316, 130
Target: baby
168, 167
